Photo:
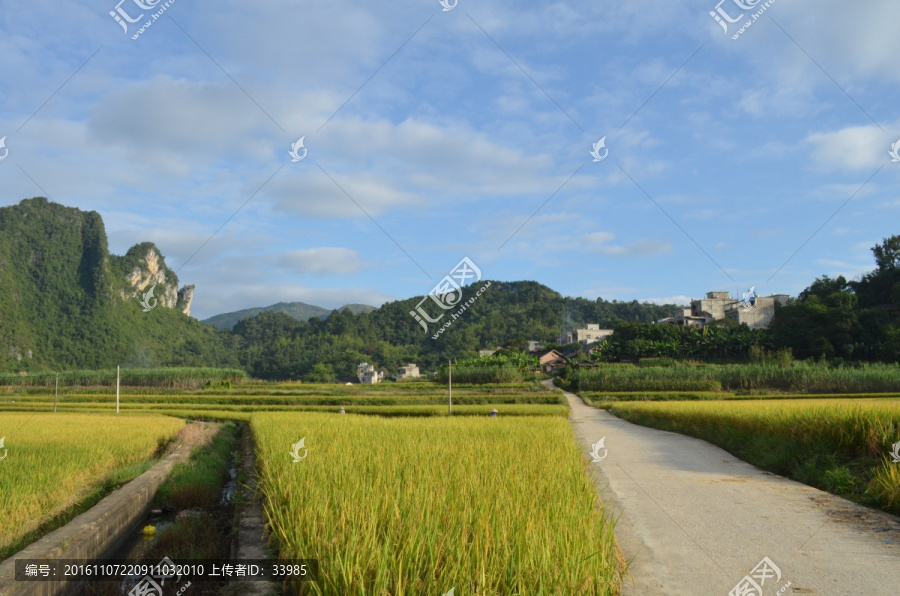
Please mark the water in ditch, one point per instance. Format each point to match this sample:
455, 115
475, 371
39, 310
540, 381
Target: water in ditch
193, 525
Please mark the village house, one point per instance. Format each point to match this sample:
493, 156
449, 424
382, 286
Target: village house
587, 336
409, 370
489, 351
367, 374
535, 346
552, 361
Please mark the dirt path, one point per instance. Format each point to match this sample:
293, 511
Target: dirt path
696, 520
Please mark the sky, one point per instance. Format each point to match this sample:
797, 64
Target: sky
431, 133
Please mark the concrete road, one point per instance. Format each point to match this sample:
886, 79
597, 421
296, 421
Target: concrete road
696, 520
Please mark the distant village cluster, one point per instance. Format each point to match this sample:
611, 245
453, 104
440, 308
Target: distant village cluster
367, 374
756, 314
719, 305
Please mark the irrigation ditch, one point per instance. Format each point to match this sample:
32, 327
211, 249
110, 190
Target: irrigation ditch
198, 502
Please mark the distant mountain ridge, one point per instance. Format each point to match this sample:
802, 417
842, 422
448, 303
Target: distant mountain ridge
297, 310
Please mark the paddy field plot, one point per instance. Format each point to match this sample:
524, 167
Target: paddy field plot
53, 460
420, 506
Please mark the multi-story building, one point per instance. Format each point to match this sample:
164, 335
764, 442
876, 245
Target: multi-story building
760, 314
367, 374
719, 305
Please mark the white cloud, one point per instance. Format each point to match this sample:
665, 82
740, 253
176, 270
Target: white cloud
600, 242
311, 192
321, 261
851, 148
679, 299
848, 270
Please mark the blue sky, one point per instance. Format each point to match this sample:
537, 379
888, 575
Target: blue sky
434, 135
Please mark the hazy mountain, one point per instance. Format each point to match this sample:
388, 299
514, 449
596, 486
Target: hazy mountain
297, 310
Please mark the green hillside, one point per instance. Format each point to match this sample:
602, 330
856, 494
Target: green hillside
296, 310
507, 313
65, 302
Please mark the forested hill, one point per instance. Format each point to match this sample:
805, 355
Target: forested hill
66, 303
507, 313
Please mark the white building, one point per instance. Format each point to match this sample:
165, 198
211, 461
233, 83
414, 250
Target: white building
367, 374
719, 305
587, 336
410, 370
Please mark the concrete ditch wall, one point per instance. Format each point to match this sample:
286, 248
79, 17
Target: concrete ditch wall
95, 532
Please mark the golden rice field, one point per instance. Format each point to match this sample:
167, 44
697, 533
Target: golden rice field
53, 460
424, 505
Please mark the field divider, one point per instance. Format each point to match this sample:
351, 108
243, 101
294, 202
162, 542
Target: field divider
95, 533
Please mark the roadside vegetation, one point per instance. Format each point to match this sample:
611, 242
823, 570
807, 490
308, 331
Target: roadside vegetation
796, 377
409, 507
838, 445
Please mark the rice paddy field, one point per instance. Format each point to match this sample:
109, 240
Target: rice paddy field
51, 462
840, 445
798, 377
401, 497
423, 506
385, 399
398, 496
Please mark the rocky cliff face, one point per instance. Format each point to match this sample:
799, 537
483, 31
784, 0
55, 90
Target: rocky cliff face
185, 295
147, 269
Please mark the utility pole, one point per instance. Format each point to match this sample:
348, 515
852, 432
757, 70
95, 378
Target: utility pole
449, 387
117, 389
56, 393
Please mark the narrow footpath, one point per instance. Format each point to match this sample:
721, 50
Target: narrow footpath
695, 520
